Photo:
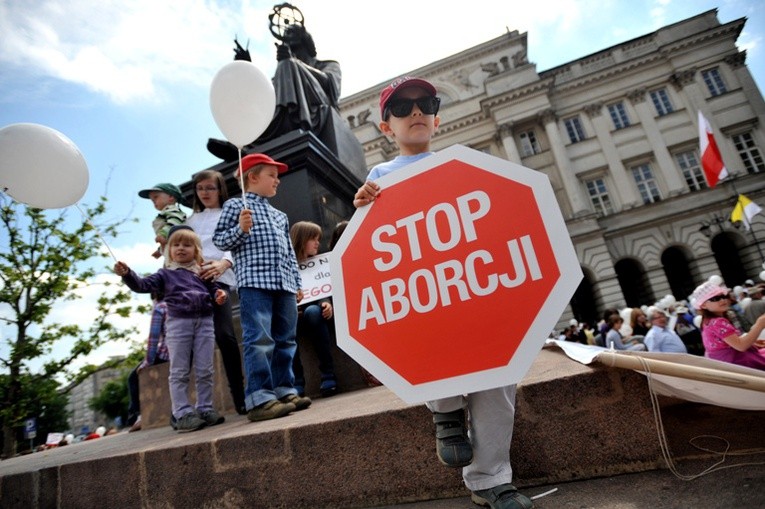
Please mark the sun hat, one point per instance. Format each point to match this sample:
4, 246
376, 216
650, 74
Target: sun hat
251, 160
655, 310
164, 187
706, 291
401, 84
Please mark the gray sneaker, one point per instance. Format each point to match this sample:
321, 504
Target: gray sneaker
189, 422
504, 496
211, 417
270, 410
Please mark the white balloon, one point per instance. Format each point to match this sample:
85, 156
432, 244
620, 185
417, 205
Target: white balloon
242, 100
697, 321
41, 167
670, 300
762, 275
716, 280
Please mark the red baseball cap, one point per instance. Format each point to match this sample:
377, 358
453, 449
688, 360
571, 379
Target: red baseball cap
251, 160
400, 84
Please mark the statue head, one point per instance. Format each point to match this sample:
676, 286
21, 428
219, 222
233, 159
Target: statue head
299, 40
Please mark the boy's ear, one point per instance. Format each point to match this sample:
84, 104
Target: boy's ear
385, 128
436, 121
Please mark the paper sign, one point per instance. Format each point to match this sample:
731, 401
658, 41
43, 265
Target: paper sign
315, 274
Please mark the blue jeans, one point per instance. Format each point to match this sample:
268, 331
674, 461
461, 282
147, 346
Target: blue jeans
269, 323
314, 327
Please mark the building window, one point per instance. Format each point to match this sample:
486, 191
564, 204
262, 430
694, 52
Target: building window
646, 183
661, 102
619, 115
601, 202
574, 129
750, 154
714, 81
689, 165
529, 144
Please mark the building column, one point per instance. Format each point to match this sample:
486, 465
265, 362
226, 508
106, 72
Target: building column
675, 184
505, 136
574, 189
625, 185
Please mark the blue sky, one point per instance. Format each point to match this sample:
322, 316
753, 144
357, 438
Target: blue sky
128, 82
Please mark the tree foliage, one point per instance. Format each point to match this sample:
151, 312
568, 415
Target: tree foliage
114, 397
47, 258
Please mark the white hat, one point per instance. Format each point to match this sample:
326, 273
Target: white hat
655, 310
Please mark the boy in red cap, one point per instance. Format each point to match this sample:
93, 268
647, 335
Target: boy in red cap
409, 111
268, 281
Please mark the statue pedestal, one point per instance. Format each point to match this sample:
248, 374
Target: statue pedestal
317, 187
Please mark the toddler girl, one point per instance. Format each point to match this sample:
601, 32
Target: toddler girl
189, 328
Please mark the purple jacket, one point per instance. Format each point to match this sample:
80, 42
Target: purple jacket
186, 294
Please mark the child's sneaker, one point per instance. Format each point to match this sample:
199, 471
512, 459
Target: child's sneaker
211, 417
504, 496
328, 386
271, 409
452, 444
300, 402
189, 422
136, 425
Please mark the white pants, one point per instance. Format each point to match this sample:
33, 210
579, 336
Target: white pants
490, 417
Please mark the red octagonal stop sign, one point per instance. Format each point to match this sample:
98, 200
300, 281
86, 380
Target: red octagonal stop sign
452, 279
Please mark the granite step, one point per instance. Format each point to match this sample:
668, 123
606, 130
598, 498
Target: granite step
367, 448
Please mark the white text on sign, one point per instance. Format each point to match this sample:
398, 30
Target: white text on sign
426, 288
459, 219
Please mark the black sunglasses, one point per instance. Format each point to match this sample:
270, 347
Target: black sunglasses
718, 298
403, 107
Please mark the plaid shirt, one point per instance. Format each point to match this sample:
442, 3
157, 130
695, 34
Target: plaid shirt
264, 258
156, 348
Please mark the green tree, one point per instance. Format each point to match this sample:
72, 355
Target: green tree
45, 258
45, 401
114, 397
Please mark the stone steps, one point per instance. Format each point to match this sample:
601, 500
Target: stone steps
367, 448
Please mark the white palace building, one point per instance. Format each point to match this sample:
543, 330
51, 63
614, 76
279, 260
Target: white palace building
617, 134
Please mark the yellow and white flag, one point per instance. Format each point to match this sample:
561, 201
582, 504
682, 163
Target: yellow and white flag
744, 210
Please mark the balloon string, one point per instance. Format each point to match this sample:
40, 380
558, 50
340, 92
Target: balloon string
241, 181
241, 178
87, 220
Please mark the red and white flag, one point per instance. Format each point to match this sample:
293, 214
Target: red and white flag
711, 160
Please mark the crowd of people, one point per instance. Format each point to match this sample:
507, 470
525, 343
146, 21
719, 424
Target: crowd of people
715, 321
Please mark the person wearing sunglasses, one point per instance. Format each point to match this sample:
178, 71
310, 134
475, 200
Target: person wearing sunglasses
722, 340
409, 112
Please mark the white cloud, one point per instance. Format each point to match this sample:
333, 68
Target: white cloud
127, 51
141, 49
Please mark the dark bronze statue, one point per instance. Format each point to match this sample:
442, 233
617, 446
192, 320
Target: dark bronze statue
307, 92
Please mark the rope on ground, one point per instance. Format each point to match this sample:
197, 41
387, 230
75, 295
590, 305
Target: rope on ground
664, 445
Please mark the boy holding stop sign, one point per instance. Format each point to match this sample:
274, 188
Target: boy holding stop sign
409, 108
